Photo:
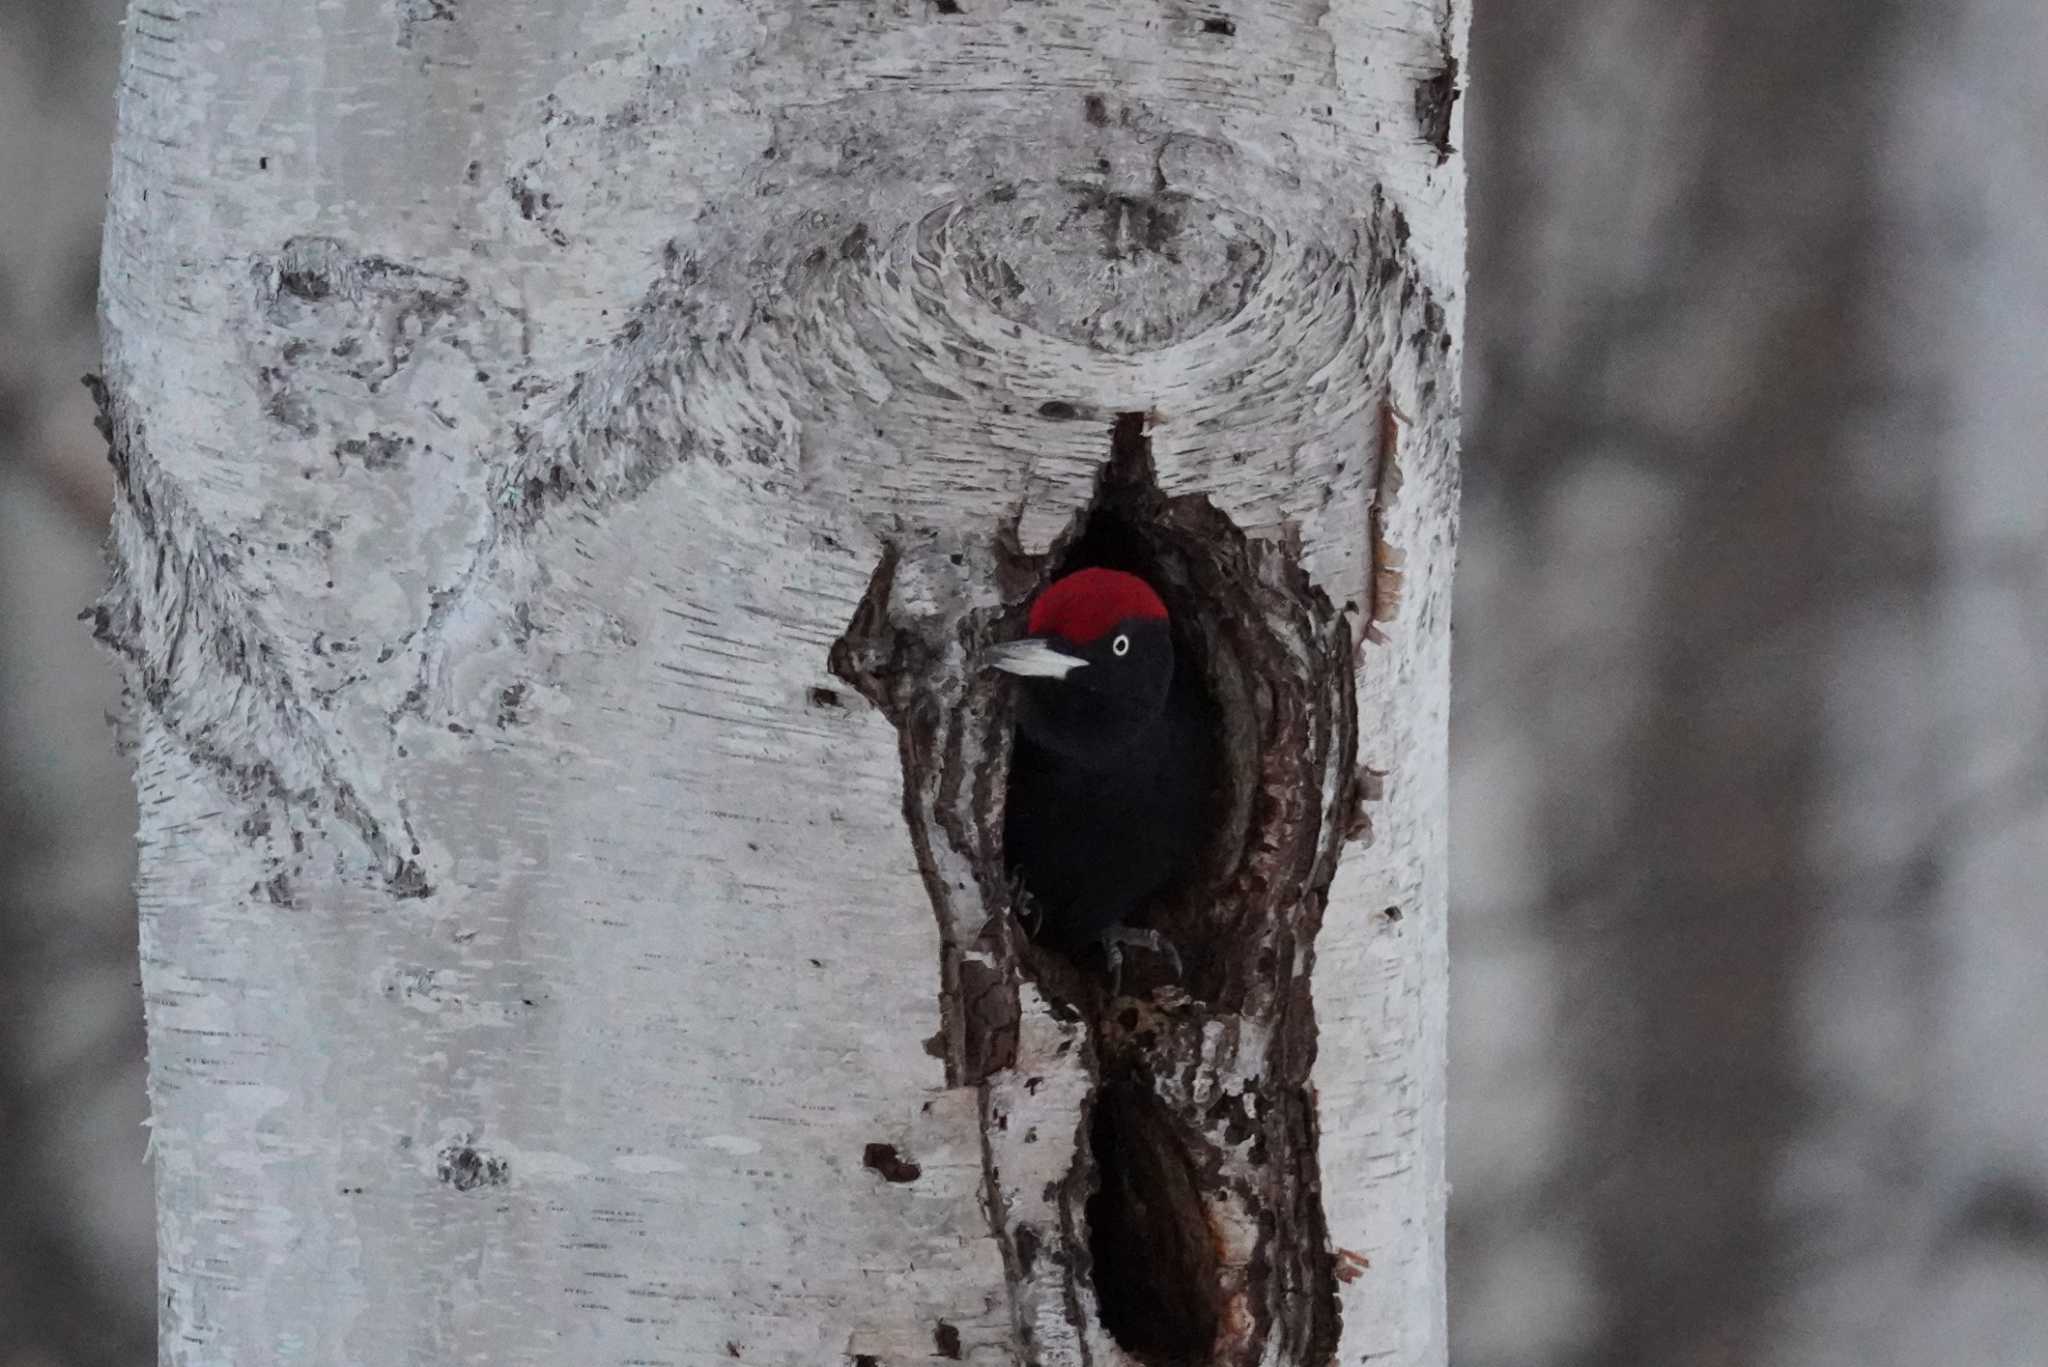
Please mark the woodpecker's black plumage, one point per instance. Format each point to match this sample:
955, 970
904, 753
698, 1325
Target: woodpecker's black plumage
1111, 770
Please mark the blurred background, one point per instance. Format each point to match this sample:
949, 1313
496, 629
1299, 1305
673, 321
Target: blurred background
1750, 924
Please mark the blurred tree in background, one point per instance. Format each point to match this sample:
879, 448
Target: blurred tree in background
77, 1247
1751, 822
1750, 831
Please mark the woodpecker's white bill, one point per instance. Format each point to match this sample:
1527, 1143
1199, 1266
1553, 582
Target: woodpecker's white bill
1033, 659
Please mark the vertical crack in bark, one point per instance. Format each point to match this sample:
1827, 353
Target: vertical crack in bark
1189, 1203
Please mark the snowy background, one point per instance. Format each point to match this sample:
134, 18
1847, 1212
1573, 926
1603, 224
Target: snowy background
1750, 1035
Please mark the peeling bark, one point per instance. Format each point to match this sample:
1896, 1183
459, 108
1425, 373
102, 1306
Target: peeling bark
552, 556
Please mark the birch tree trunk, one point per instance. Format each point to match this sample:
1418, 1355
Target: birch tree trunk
570, 457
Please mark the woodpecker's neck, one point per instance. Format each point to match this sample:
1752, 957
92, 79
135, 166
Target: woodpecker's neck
1088, 729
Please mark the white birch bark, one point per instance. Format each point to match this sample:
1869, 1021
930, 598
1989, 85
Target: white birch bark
549, 958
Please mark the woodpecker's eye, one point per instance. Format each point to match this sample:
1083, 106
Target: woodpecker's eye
1120, 646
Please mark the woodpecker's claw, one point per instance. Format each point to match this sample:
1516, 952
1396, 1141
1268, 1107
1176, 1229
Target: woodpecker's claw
1118, 938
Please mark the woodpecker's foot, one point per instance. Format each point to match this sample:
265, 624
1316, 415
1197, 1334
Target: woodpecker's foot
1117, 939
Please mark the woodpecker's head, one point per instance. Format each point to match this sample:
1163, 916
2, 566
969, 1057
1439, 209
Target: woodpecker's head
1096, 665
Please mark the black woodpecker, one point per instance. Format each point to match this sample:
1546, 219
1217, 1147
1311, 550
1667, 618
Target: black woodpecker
1113, 761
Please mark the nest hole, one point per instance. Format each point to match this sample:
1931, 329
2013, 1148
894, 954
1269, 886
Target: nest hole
1124, 529
1274, 661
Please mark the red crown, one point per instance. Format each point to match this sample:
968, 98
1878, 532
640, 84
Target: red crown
1086, 604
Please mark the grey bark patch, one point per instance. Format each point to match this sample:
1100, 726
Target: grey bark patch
408, 881
414, 14
533, 202
511, 704
371, 312
315, 269
422, 23
465, 1167
377, 451
285, 408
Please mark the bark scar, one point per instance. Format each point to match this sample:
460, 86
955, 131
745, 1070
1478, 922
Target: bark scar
203, 662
